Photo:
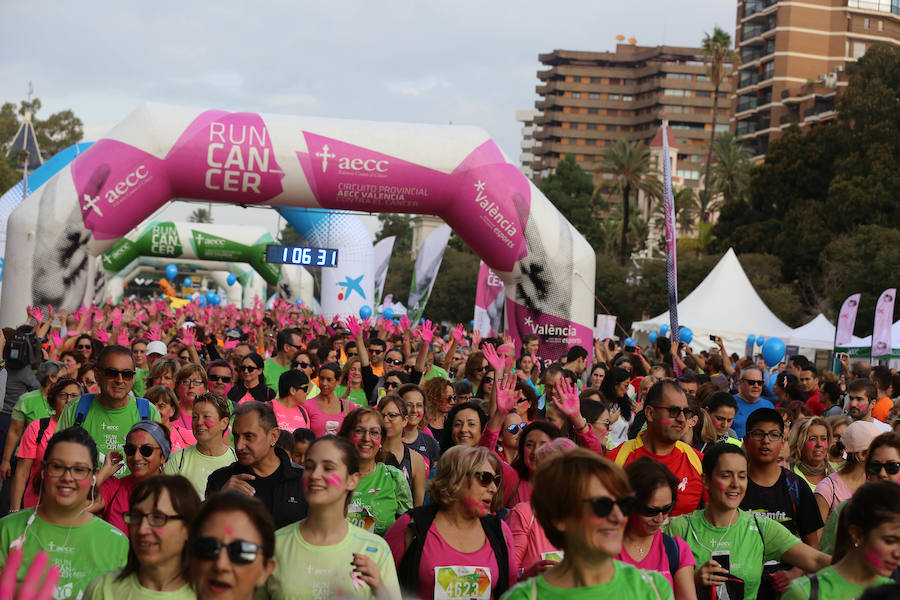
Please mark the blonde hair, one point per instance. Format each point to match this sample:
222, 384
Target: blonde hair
800, 434
188, 370
454, 469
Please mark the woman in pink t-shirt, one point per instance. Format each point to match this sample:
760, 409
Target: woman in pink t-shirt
326, 411
456, 543
645, 545
289, 407
31, 449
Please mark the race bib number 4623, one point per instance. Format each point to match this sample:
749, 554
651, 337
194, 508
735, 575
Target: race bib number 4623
458, 583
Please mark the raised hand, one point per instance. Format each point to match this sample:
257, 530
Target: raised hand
116, 317
566, 399
189, 337
56, 339
426, 332
155, 335
459, 334
507, 395
38, 314
476, 339
32, 586
404, 323
354, 326
495, 360
101, 335
123, 338
231, 344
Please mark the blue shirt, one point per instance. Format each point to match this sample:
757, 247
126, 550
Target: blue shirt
744, 410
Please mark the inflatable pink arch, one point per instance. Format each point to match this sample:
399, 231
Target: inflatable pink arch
161, 152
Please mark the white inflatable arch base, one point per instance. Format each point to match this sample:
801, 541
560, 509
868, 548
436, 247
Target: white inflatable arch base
457, 173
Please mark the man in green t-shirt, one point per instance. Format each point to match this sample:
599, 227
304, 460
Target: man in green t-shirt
288, 343
114, 410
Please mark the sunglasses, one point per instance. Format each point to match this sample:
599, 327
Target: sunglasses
486, 478
677, 411
652, 511
80, 347
302, 365
240, 552
393, 361
451, 399
892, 467
603, 505
247, 369
481, 369
110, 373
758, 382
515, 428
488, 380
391, 384
146, 450
222, 378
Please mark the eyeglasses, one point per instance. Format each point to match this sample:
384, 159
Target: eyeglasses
481, 369
758, 435
55, 469
486, 478
154, 519
222, 378
68, 397
652, 511
193, 383
758, 382
83, 347
522, 400
391, 384
390, 416
110, 373
892, 467
677, 411
463, 397
249, 369
603, 423
514, 428
393, 361
374, 434
352, 354
603, 505
451, 398
240, 552
487, 380
145, 449
293, 346
414, 406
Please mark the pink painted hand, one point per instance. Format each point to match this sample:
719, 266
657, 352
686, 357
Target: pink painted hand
123, 339
189, 337
101, 335
566, 399
495, 360
354, 326
32, 587
404, 323
231, 344
507, 395
476, 339
116, 317
459, 334
56, 339
426, 332
155, 334
38, 314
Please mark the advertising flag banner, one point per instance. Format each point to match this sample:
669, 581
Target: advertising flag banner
428, 263
489, 300
671, 265
605, 327
884, 318
846, 320
382, 251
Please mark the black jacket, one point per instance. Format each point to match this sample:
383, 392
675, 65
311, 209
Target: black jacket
290, 504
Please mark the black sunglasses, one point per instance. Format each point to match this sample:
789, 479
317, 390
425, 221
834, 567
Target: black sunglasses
892, 467
393, 361
603, 505
302, 365
652, 511
146, 450
248, 369
485, 478
222, 378
81, 347
676, 411
127, 374
754, 381
240, 552
391, 384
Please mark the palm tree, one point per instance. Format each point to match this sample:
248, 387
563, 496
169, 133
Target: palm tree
730, 168
718, 50
629, 162
201, 215
686, 209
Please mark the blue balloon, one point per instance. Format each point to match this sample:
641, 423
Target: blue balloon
201, 300
299, 302
653, 335
365, 311
231, 279
685, 335
773, 351
472, 323
210, 295
629, 341
188, 282
751, 338
189, 297
388, 313
664, 329
217, 300
171, 272
760, 340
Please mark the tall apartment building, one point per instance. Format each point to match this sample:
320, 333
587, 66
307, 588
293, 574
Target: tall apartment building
590, 100
526, 158
794, 56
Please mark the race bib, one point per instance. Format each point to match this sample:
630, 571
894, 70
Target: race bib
361, 517
458, 583
556, 555
331, 427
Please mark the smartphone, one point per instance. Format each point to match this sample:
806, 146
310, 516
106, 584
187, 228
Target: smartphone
713, 338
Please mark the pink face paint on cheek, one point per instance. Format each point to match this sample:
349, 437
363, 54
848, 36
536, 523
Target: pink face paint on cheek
228, 530
209, 423
334, 480
86, 482
355, 439
873, 559
159, 532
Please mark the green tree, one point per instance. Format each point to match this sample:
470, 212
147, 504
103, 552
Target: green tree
571, 190
685, 207
288, 236
731, 164
717, 47
201, 215
453, 296
397, 225
59, 131
629, 163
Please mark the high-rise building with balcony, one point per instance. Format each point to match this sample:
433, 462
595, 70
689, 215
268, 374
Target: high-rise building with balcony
526, 158
794, 56
590, 100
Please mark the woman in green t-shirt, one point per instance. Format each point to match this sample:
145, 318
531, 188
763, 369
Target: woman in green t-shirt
351, 384
868, 550
383, 493
79, 544
159, 513
582, 501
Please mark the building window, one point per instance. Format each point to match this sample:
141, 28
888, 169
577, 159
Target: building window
673, 92
722, 127
702, 78
592, 126
686, 174
880, 25
594, 96
576, 94
591, 142
627, 98
865, 23
596, 80
613, 97
702, 94
593, 111
859, 49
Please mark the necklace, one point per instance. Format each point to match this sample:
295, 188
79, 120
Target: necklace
639, 555
722, 537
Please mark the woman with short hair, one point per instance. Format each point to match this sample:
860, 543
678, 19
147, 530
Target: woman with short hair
252, 381
809, 440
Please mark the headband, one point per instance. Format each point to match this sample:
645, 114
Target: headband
157, 432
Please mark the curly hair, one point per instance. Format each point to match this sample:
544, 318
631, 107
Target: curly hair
454, 469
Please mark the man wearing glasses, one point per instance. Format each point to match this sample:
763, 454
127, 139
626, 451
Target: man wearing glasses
109, 415
667, 412
748, 399
777, 493
288, 343
376, 348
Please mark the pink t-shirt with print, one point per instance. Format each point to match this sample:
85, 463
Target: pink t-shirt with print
656, 559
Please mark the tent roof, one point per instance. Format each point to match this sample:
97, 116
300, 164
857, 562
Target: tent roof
724, 304
818, 333
26, 140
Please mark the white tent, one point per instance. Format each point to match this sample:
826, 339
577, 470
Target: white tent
724, 304
860, 347
818, 334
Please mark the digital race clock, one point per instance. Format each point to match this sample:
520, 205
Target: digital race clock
302, 255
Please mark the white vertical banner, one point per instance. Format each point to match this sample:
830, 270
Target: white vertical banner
382, 252
489, 301
428, 263
605, 327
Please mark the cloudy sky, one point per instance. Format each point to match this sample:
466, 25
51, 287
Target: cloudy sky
464, 62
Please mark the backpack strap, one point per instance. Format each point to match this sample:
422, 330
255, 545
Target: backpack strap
42, 427
760, 531
673, 552
143, 406
813, 587
493, 528
83, 408
420, 520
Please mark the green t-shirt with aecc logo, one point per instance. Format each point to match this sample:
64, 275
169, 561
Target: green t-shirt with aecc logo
82, 552
196, 466
381, 497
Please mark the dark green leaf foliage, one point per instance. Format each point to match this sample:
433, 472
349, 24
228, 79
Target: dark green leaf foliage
571, 190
